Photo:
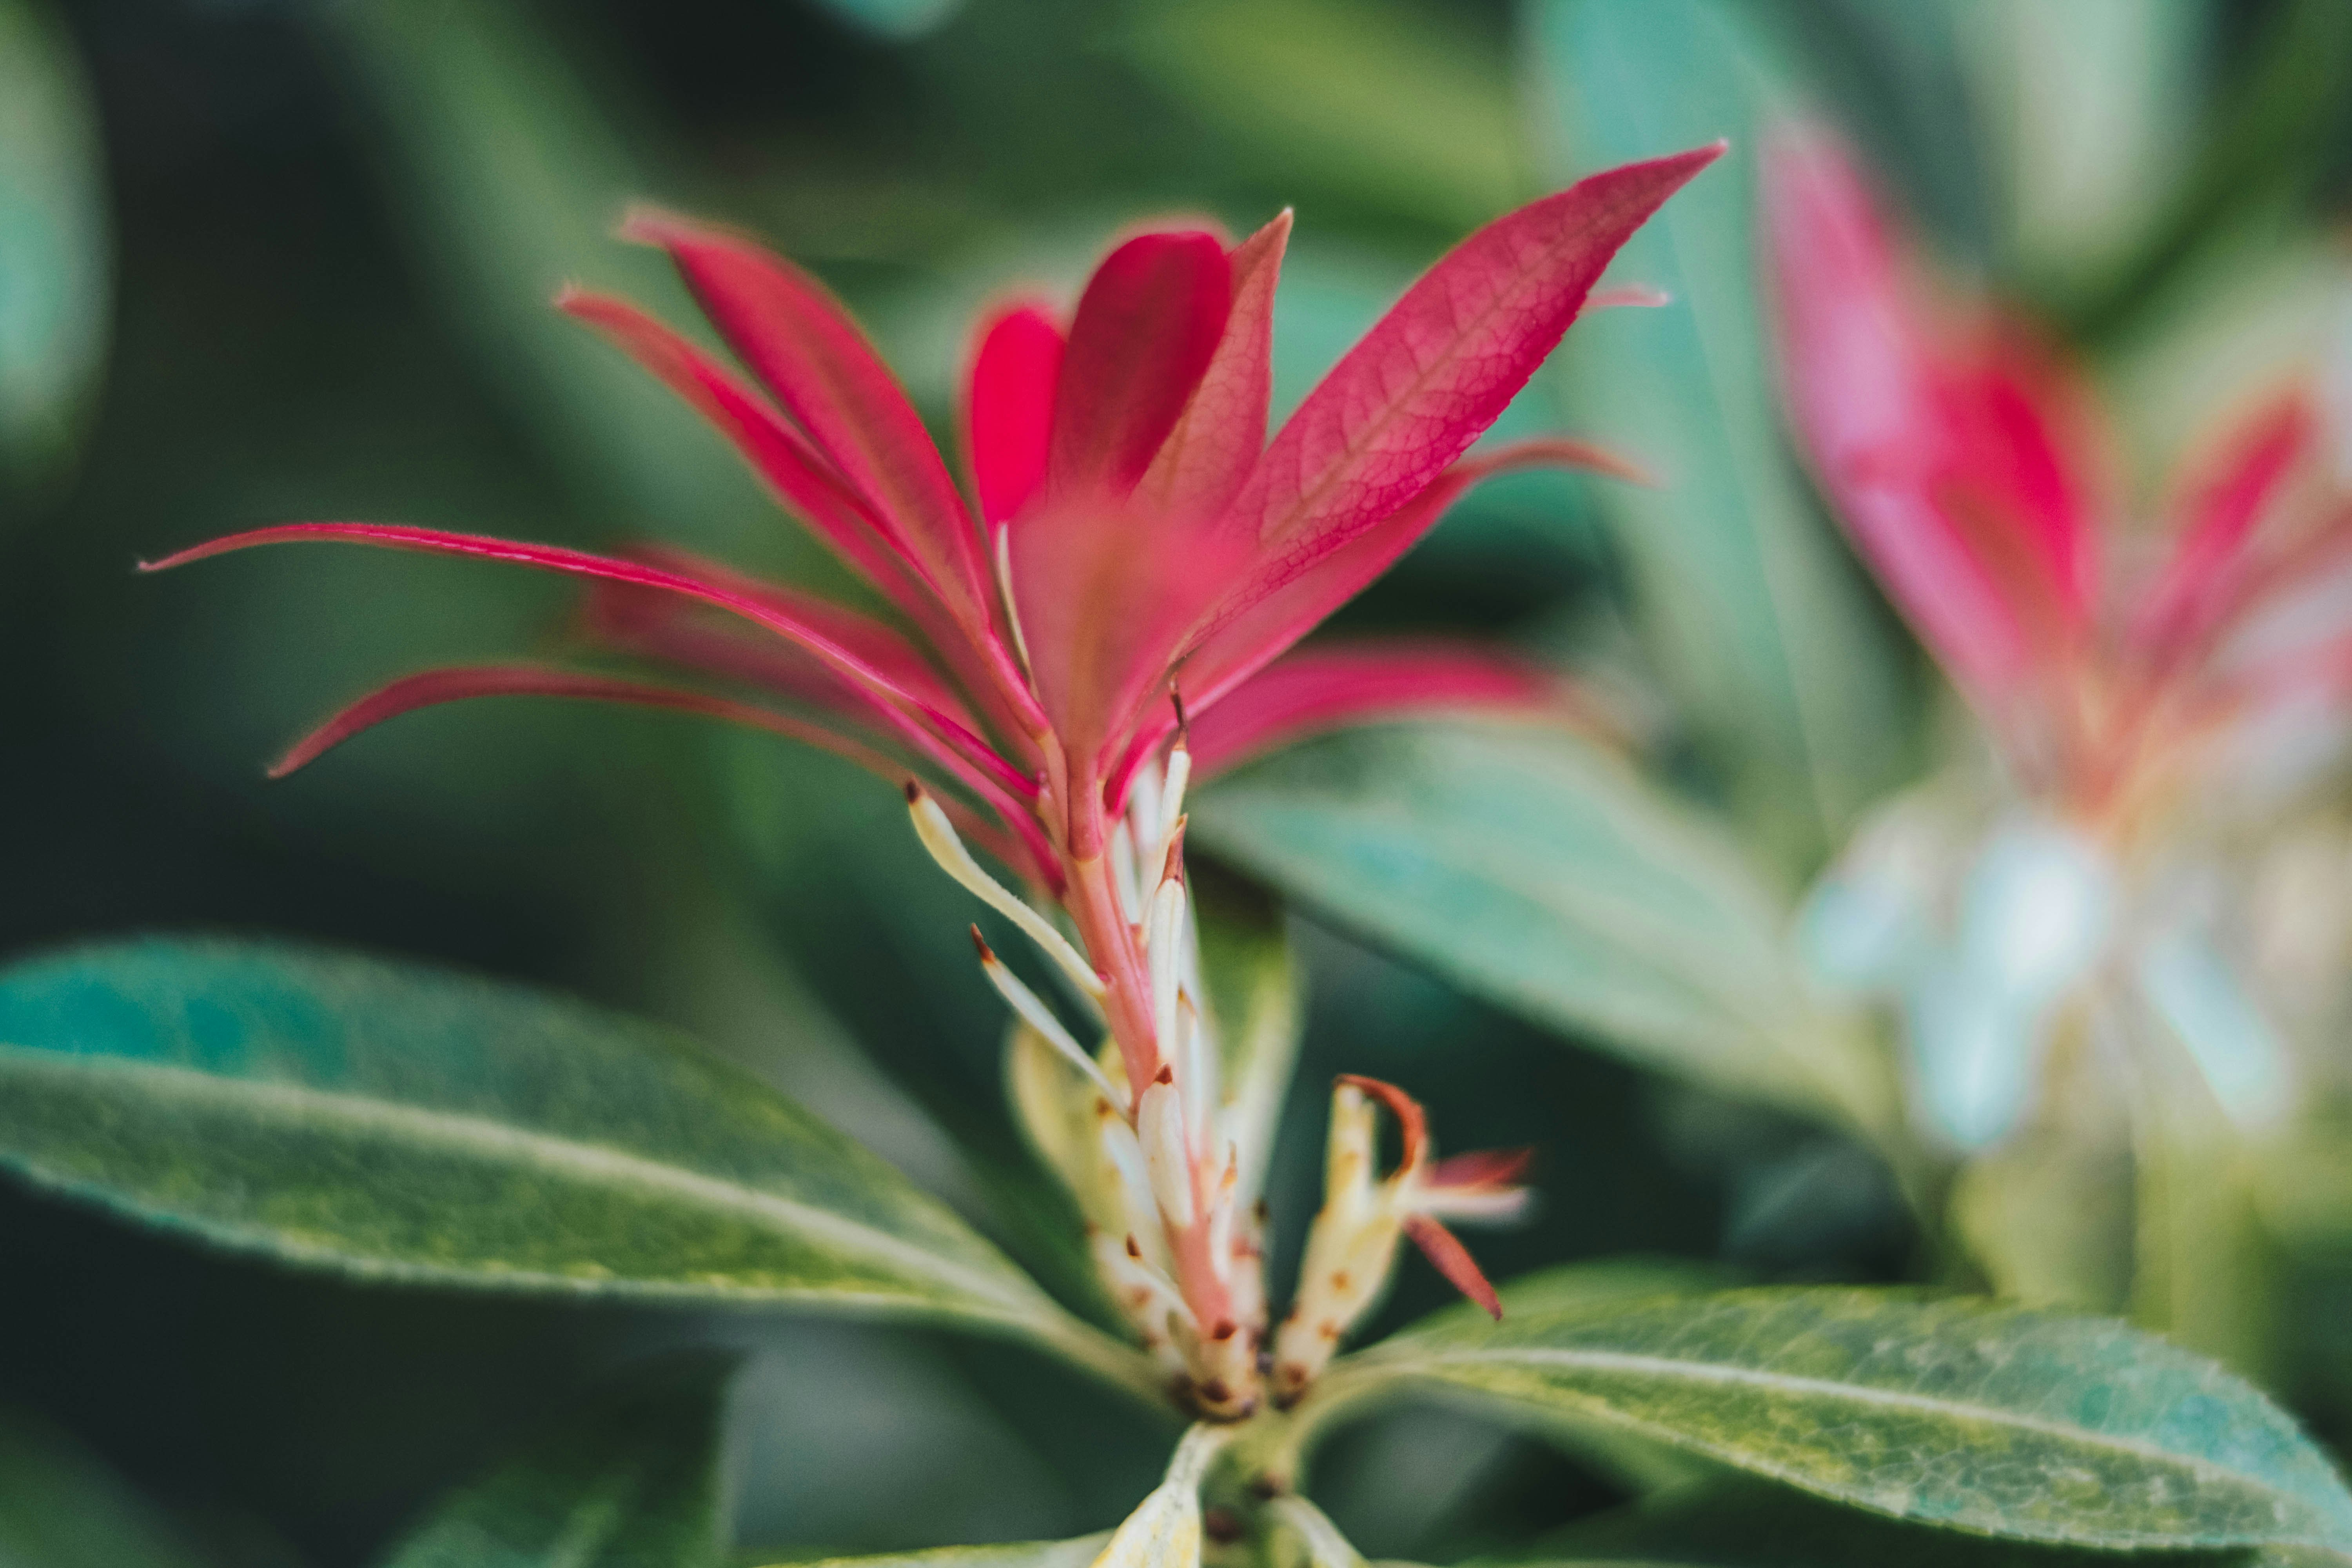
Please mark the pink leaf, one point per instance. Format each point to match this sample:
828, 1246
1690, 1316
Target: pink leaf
1321, 688
803, 476
432, 688
1146, 329
1209, 454
1008, 415
2217, 518
1022, 849
1435, 371
798, 340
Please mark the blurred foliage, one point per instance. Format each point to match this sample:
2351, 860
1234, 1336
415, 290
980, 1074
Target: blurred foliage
262, 260
56, 261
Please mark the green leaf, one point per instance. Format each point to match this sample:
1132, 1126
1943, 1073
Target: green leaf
896, 20
62, 1506
1076, 1553
413, 1126
1535, 870
1743, 1525
56, 250
1957, 1413
1255, 999
1760, 622
633, 1479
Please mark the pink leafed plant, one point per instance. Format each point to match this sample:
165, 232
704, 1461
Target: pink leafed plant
1968, 460
1110, 606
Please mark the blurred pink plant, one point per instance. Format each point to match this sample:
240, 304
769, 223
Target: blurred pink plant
1968, 463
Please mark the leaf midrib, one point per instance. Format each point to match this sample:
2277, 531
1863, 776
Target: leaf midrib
299, 1105
1861, 1394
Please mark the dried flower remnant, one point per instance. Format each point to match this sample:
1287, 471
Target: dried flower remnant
1113, 608
2138, 709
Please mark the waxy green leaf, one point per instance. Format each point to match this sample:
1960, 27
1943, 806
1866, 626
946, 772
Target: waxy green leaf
1536, 871
415, 1126
633, 1479
1957, 1413
1761, 624
1076, 1553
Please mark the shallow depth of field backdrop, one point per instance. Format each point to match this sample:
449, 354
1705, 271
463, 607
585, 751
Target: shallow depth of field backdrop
273, 259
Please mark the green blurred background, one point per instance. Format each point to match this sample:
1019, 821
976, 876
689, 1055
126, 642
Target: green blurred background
263, 260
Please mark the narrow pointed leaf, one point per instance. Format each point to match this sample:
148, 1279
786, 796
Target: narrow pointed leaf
631, 1479
1717, 1523
1537, 872
1285, 596
799, 341
406, 1125
508, 166
1956, 1413
432, 688
1209, 454
1335, 685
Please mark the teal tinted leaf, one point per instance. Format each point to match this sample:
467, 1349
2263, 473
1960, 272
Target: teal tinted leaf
1256, 1000
1536, 871
409, 1125
1744, 1525
55, 249
62, 1506
1760, 622
633, 1479
1076, 1553
1399, 105
1956, 1413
